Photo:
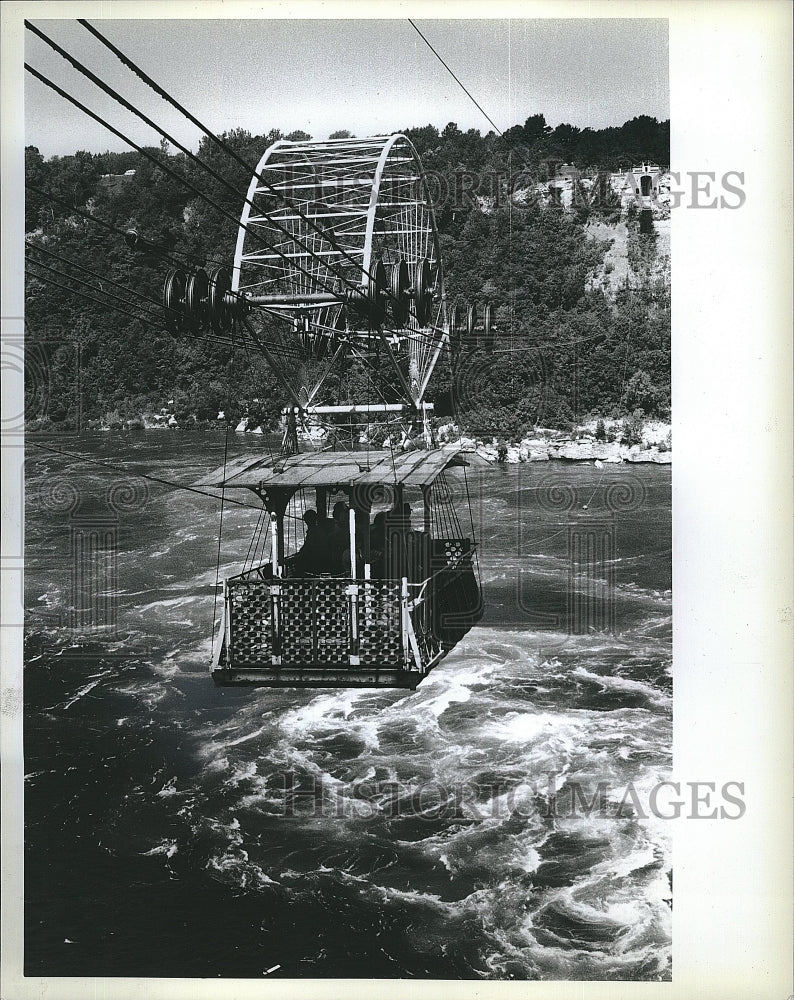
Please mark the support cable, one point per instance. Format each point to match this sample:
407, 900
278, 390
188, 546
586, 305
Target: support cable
85, 295
142, 475
142, 316
81, 68
96, 274
467, 92
223, 483
176, 176
72, 277
126, 61
201, 259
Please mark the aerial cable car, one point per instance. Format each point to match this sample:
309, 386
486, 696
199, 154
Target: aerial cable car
359, 572
386, 607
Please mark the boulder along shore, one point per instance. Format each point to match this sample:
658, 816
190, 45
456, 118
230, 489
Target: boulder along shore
580, 445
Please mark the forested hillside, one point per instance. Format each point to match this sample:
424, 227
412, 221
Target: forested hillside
566, 346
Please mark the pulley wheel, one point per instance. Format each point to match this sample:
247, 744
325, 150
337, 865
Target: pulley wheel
220, 314
174, 299
422, 293
471, 322
375, 289
196, 293
305, 331
399, 286
487, 332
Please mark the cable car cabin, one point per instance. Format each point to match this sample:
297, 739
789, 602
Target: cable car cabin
359, 572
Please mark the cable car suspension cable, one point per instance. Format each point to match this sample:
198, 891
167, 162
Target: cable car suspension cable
85, 295
141, 475
172, 173
106, 88
95, 274
223, 484
141, 315
126, 61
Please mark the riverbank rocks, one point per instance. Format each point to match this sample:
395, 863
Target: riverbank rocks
650, 455
584, 447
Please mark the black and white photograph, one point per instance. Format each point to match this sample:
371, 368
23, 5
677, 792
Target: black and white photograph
348, 348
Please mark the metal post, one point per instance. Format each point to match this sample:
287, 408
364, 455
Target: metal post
405, 620
275, 618
362, 503
274, 533
424, 614
353, 635
427, 431
321, 494
352, 521
227, 604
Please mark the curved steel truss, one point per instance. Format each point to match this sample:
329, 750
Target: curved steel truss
319, 220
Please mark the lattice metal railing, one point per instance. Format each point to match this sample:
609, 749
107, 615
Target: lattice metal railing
332, 622
315, 622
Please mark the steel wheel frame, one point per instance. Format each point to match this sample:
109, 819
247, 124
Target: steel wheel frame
373, 197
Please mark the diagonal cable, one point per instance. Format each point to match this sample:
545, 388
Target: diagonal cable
455, 78
172, 173
81, 68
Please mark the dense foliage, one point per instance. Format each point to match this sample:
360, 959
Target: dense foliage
565, 347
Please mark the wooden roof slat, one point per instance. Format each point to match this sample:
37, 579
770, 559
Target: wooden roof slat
233, 467
343, 469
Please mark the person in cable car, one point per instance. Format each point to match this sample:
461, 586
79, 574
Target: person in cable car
377, 545
339, 536
315, 556
398, 542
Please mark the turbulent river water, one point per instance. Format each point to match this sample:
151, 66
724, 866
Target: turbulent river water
491, 824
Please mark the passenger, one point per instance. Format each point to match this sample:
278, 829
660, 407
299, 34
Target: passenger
377, 545
315, 555
398, 524
340, 539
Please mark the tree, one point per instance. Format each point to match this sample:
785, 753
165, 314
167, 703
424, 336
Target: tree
532, 264
35, 174
535, 128
642, 394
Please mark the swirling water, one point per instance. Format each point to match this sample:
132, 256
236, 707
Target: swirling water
177, 829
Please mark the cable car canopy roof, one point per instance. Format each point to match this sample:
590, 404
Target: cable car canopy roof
340, 469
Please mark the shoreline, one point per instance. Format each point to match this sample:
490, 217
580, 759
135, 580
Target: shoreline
580, 445
544, 445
